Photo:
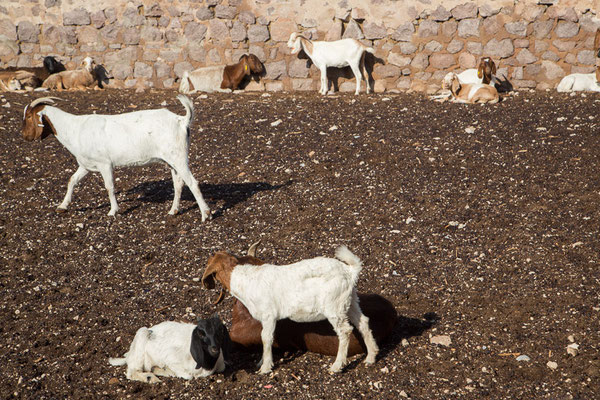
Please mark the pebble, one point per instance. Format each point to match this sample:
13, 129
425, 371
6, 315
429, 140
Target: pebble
573, 349
79, 225
470, 129
523, 357
113, 381
403, 394
275, 123
552, 365
443, 340
405, 343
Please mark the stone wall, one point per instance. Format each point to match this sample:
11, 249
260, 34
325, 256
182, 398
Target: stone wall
150, 43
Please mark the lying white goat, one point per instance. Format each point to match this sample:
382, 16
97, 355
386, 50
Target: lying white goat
339, 53
101, 142
580, 83
307, 291
176, 349
583, 82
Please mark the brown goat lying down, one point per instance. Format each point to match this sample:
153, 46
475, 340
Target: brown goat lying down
220, 78
317, 337
28, 78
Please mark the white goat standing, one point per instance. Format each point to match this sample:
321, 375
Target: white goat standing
307, 291
101, 142
339, 53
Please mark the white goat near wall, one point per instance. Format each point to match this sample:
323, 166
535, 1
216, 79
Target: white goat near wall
583, 82
307, 291
339, 53
101, 142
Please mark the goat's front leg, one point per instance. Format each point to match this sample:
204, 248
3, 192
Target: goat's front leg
73, 181
268, 330
107, 175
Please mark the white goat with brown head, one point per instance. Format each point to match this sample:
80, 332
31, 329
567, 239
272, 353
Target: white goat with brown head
306, 291
102, 142
339, 54
484, 73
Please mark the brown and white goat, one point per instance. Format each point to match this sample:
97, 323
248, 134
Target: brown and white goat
78, 79
485, 73
469, 92
220, 78
316, 337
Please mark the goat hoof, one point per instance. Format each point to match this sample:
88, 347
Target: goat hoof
174, 212
335, 369
264, 371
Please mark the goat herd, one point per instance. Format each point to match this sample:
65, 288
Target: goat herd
313, 290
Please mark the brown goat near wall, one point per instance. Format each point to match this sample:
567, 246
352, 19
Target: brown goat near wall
219, 78
318, 337
82, 78
28, 78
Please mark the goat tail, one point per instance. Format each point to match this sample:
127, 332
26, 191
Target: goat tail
189, 109
117, 361
184, 86
343, 254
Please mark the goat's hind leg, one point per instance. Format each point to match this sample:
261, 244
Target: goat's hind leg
107, 175
268, 330
343, 330
361, 321
177, 188
73, 181
358, 77
184, 172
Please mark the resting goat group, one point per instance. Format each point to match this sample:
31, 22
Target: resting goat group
339, 53
220, 78
101, 142
307, 291
28, 78
177, 349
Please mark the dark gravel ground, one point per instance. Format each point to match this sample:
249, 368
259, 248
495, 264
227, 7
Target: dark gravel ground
479, 223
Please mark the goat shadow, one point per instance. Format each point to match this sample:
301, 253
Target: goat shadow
503, 85
404, 328
229, 193
334, 73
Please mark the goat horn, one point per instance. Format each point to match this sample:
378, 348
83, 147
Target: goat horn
43, 100
252, 249
220, 297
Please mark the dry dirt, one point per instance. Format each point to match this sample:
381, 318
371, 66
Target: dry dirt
479, 223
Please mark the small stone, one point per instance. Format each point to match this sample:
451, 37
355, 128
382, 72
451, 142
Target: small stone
113, 381
275, 123
403, 394
552, 365
470, 129
570, 337
523, 357
404, 341
443, 340
573, 349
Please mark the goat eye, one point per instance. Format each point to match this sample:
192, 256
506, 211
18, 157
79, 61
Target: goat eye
201, 334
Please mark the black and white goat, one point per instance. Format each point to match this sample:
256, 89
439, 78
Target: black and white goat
101, 142
177, 349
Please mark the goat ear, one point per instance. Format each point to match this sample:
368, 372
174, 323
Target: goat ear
208, 279
196, 348
493, 64
455, 85
226, 344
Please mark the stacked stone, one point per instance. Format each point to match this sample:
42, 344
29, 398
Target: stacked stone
151, 44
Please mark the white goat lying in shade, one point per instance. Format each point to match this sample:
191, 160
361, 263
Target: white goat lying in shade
339, 53
307, 291
583, 82
101, 142
176, 349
